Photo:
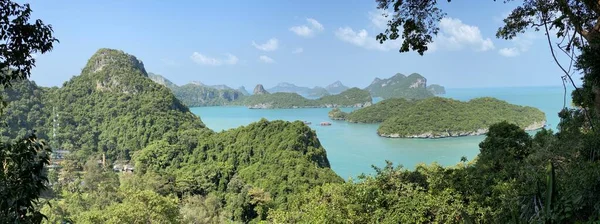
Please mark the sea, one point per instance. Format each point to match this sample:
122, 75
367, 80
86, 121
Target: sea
353, 149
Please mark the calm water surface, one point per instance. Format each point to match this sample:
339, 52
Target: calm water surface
353, 148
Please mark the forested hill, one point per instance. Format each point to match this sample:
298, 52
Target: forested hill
353, 97
26, 110
197, 94
114, 108
413, 86
443, 117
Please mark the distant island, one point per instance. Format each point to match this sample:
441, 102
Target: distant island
335, 88
436, 89
413, 86
288, 95
197, 94
262, 99
337, 114
439, 117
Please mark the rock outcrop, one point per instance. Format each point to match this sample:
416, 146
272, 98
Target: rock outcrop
259, 89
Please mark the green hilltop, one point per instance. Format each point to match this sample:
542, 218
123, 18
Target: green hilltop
443, 117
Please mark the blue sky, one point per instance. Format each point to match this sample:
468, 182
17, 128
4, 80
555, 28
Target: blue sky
307, 43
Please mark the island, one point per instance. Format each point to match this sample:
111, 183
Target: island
335, 88
436, 89
413, 86
439, 117
337, 114
197, 94
262, 99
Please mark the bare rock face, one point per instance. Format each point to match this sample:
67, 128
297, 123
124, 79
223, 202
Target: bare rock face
420, 83
259, 89
113, 70
110, 57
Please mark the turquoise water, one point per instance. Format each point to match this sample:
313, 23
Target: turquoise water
353, 148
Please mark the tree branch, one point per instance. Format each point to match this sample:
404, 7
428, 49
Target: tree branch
564, 70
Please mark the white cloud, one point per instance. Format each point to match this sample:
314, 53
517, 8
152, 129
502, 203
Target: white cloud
206, 60
302, 31
266, 59
34, 55
521, 44
315, 24
361, 38
271, 45
509, 52
455, 35
298, 50
378, 19
305, 30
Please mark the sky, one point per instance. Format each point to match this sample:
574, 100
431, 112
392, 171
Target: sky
308, 43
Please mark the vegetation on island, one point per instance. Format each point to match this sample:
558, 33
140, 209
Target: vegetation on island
443, 117
337, 114
194, 95
315, 92
436, 89
353, 97
378, 112
198, 95
400, 86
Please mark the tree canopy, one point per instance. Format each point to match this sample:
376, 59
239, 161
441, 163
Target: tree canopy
23, 177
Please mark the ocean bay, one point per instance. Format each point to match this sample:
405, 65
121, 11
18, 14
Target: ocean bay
353, 148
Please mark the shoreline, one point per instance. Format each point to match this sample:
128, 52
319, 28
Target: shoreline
430, 135
270, 106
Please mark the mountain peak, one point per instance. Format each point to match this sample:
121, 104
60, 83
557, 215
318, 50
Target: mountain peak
259, 89
243, 90
105, 58
198, 83
335, 84
399, 75
114, 71
336, 87
400, 86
